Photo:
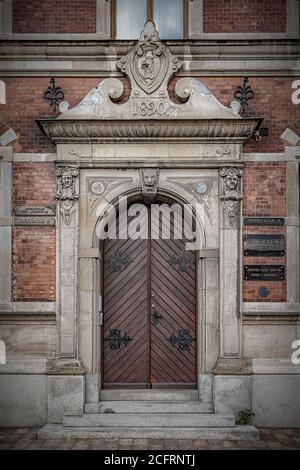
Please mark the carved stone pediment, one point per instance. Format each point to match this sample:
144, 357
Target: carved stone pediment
149, 112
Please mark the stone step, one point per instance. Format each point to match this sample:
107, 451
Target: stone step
58, 431
147, 406
148, 420
151, 395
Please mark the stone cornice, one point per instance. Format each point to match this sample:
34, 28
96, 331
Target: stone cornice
200, 57
146, 130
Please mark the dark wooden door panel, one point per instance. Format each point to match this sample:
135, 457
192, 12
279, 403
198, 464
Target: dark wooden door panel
150, 314
125, 307
173, 338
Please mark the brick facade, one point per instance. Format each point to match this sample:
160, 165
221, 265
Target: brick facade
33, 247
244, 16
25, 104
33, 264
264, 189
264, 183
33, 184
54, 16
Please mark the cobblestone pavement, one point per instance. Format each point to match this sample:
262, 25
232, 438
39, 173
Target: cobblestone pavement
26, 438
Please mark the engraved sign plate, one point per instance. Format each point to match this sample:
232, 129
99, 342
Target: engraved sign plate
34, 221
264, 245
264, 221
264, 272
24, 211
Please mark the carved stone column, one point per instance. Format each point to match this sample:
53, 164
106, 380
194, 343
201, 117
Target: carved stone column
67, 262
230, 196
66, 380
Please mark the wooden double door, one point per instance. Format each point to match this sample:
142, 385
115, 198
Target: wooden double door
149, 332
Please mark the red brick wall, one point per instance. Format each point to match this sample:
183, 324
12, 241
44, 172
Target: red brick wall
264, 195
264, 189
244, 16
25, 103
33, 184
33, 264
33, 247
272, 101
54, 16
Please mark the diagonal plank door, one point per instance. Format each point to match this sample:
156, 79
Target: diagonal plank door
149, 334
173, 303
125, 337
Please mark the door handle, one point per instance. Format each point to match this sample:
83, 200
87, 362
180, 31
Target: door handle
155, 316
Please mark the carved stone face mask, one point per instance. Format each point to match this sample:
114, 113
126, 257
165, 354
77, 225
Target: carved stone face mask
149, 180
67, 180
231, 181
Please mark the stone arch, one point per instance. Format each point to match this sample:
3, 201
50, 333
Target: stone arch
176, 197
91, 266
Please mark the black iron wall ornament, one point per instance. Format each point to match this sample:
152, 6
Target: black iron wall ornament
54, 95
182, 261
116, 338
182, 341
244, 94
117, 261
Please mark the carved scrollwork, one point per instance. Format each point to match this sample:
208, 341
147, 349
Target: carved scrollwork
231, 191
150, 64
97, 187
66, 190
195, 186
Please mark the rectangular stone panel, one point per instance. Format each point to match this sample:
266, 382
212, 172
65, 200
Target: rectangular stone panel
34, 221
34, 210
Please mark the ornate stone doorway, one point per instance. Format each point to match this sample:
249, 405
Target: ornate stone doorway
104, 149
149, 333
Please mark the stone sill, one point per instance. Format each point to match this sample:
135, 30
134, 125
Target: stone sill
24, 366
276, 366
278, 309
256, 366
28, 308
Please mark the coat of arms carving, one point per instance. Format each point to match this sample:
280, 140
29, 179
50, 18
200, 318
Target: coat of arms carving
149, 64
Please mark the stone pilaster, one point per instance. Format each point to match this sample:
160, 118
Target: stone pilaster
230, 196
67, 263
5, 226
292, 231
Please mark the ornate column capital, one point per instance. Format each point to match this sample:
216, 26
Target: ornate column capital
67, 190
231, 191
